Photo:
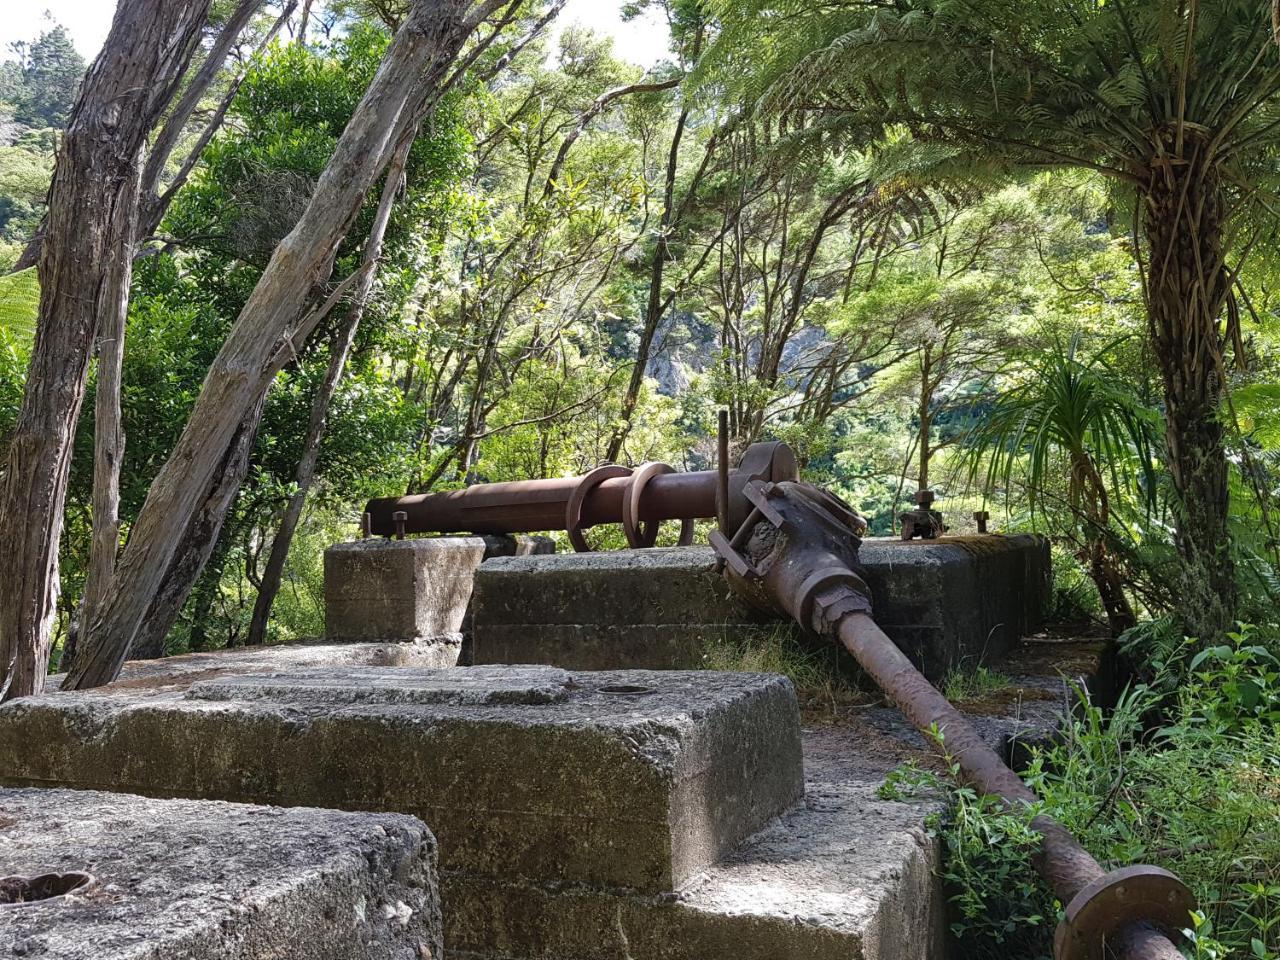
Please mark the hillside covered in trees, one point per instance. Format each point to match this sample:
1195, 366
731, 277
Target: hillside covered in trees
1023, 254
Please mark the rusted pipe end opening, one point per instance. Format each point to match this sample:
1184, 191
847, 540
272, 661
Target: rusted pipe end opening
18, 891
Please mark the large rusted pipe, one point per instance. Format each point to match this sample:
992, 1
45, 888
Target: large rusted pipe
1062, 861
607, 495
798, 552
529, 506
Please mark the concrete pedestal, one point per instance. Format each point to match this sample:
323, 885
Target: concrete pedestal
623, 780
581, 816
409, 590
960, 600
214, 881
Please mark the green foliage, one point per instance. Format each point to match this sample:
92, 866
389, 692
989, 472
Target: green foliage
43, 87
1072, 414
1198, 796
963, 684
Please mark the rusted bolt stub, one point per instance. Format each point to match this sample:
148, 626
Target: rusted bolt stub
401, 519
1098, 913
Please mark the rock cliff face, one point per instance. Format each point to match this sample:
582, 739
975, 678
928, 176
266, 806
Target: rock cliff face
686, 347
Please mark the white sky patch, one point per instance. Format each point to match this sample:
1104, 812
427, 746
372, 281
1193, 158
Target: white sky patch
642, 41
88, 22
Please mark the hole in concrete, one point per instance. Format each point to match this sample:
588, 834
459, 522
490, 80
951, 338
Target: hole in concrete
626, 690
15, 891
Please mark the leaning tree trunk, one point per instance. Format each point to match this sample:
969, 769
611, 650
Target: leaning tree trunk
108, 437
265, 335
342, 343
82, 268
196, 545
1187, 288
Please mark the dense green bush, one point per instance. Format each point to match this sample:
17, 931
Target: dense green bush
1196, 792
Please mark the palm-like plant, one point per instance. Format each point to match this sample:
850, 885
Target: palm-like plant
1176, 101
1073, 415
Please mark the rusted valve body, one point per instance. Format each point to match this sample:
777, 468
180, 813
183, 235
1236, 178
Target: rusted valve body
797, 552
639, 499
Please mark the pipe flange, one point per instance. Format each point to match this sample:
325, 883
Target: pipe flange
1136, 894
573, 509
643, 534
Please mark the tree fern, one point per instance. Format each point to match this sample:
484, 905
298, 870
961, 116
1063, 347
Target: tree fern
19, 305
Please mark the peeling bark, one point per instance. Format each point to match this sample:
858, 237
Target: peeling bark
84, 265
342, 342
265, 336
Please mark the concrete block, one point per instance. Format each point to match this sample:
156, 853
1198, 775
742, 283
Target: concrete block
183, 670
398, 589
944, 602
412, 590
626, 780
842, 875
215, 881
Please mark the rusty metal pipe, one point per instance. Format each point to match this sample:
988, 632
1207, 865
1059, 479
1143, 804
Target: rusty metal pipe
798, 552
529, 506
1067, 866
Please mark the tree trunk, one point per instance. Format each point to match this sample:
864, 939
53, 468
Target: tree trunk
196, 545
1102, 570
342, 343
83, 266
264, 337
108, 441
1187, 288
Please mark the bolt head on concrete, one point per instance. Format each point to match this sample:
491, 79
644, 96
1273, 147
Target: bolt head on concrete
217, 881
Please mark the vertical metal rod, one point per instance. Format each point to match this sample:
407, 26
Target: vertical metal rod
722, 469
401, 518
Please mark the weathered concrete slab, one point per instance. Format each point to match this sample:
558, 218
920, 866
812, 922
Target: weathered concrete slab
196, 880
182, 671
944, 602
623, 780
843, 875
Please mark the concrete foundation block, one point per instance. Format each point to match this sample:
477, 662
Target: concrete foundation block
406, 590
843, 875
183, 670
625, 780
216, 881
398, 589
946, 602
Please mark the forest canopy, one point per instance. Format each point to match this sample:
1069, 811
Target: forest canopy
265, 259
953, 282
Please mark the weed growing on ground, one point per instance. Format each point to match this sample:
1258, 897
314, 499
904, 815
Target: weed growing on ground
961, 684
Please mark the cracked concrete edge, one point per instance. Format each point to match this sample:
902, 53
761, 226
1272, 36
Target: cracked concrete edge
200, 879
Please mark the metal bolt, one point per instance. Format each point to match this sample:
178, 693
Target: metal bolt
366, 524
401, 519
982, 516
